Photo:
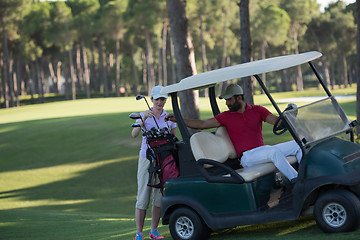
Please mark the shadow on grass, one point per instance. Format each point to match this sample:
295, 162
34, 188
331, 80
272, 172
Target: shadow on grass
108, 188
44, 143
85, 163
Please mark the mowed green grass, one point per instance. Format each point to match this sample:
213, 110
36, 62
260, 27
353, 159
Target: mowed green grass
68, 171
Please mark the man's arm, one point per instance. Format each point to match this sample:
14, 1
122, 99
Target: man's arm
271, 118
197, 124
202, 124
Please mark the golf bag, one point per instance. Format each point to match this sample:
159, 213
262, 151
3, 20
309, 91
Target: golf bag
162, 156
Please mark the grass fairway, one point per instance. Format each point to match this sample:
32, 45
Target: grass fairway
68, 171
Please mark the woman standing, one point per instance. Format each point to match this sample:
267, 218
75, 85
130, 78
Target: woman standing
157, 113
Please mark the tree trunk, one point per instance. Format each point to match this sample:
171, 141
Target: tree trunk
325, 69
6, 68
11, 84
163, 51
351, 74
299, 78
29, 85
72, 75
332, 71
58, 75
39, 79
18, 85
203, 48
67, 83
149, 62
246, 48
159, 66
94, 80
184, 55
102, 69
117, 63
285, 81
16, 78
223, 57
136, 79
36, 79
86, 70
326, 72
109, 63
79, 72
145, 72
3, 85
53, 77
223, 85
339, 72
172, 58
203, 51
71, 65
345, 71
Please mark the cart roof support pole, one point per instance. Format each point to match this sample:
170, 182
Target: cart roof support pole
180, 121
213, 103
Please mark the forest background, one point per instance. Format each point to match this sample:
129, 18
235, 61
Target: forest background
99, 48
68, 168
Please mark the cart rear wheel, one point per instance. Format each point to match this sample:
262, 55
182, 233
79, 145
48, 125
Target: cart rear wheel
337, 211
187, 224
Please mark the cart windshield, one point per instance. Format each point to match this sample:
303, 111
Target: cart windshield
318, 120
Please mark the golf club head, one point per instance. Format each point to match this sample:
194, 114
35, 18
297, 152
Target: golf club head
135, 125
153, 131
135, 116
138, 97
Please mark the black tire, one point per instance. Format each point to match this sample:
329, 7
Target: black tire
337, 211
187, 224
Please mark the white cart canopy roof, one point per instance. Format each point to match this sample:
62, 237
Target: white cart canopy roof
210, 78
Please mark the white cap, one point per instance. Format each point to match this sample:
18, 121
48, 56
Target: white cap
155, 92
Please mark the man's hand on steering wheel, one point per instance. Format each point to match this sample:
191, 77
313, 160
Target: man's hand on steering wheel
279, 126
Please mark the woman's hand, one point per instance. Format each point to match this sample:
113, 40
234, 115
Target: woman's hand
170, 117
148, 114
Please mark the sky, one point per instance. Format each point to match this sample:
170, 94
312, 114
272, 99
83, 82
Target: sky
324, 3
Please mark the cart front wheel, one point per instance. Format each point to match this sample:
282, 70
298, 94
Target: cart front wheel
337, 211
186, 224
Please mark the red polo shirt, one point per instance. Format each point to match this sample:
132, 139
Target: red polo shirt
245, 129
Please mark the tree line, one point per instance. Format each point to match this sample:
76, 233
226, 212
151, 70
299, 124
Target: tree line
92, 48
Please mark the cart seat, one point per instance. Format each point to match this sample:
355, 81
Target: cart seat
250, 174
217, 147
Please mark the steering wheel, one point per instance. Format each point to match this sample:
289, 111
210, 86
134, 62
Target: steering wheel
278, 130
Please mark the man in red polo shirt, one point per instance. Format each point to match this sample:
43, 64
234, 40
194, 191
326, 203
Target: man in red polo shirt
244, 125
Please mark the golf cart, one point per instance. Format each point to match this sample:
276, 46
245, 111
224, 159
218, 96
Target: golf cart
328, 184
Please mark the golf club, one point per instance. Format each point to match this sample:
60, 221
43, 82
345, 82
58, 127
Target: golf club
135, 116
137, 125
138, 97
